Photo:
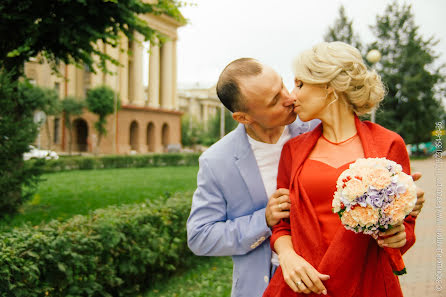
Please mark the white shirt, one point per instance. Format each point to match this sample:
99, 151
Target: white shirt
268, 156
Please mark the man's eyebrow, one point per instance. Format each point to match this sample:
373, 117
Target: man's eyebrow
277, 95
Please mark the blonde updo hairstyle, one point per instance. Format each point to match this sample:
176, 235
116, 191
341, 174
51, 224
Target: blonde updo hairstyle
341, 67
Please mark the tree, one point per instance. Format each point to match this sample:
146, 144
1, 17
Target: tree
71, 107
342, 30
58, 31
51, 107
17, 179
191, 131
413, 101
102, 101
212, 134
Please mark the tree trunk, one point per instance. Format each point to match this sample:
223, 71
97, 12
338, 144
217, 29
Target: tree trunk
47, 126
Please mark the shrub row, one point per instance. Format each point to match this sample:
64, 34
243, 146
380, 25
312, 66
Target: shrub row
108, 162
118, 251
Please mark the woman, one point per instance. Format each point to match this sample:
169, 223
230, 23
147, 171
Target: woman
317, 254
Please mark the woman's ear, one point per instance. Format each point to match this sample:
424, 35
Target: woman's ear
242, 117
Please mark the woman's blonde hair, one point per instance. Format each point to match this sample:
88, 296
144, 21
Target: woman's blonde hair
341, 67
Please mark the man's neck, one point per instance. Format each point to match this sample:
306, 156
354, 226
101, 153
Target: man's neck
264, 135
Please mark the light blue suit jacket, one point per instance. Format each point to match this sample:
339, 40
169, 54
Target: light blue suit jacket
228, 210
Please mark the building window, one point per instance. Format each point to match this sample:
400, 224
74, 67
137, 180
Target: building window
56, 130
57, 88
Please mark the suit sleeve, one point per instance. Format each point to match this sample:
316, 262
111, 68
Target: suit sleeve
283, 181
398, 153
210, 232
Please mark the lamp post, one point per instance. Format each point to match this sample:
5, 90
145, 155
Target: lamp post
373, 56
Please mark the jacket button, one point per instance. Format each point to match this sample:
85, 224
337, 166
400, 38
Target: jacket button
266, 279
262, 238
253, 246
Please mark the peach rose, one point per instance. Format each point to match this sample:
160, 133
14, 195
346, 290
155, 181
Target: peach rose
365, 216
379, 178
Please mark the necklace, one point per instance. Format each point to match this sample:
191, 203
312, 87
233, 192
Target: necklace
339, 143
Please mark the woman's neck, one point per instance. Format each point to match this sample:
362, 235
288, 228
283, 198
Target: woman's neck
338, 123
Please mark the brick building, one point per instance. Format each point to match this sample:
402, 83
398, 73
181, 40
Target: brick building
149, 119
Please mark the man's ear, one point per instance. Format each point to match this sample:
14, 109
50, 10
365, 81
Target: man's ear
242, 117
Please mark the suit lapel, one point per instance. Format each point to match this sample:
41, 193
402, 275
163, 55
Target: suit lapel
248, 168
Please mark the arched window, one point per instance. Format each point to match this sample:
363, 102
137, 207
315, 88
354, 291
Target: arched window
80, 135
165, 138
150, 137
134, 139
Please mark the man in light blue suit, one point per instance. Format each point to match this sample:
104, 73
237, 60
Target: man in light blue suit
236, 201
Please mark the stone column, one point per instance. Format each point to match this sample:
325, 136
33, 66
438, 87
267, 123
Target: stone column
175, 103
137, 64
166, 75
154, 75
124, 71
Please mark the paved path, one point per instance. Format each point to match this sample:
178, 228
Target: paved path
421, 259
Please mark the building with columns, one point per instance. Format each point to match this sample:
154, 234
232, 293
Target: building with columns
149, 119
200, 104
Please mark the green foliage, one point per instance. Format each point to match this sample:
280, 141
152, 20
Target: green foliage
117, 251
56, 31
71, 107
69, 31
407, 67
209, 276
342, 30
120, 161
63, 195
193, 133
102, 101
413, 102
18, 103
213, 133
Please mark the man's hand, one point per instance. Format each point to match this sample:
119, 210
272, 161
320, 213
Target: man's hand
420, 196
278, 207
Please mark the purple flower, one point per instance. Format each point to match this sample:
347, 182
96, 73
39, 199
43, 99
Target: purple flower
375, 197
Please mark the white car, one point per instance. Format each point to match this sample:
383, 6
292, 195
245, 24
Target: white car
35, 153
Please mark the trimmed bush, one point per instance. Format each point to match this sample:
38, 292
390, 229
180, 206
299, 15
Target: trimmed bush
117, 251
109, 162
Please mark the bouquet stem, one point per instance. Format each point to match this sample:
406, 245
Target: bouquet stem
396, 261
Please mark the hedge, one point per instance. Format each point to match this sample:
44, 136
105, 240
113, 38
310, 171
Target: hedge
107, 162
118, 251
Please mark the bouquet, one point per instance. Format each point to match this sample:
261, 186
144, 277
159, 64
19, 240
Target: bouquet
372, 195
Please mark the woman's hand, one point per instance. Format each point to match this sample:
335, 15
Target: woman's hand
393, 238
300, 276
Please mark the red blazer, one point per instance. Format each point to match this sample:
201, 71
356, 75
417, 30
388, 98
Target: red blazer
357, 266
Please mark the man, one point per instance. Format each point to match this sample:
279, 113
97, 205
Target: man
231, 213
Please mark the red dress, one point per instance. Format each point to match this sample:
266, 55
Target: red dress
357, 266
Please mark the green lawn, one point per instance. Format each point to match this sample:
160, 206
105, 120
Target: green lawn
65, 194
209, 276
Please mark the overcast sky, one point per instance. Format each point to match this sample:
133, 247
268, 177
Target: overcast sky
274, 32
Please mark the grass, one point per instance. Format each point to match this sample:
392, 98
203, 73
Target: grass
65, 194
209, 276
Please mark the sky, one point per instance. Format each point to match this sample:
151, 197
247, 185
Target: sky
274, 32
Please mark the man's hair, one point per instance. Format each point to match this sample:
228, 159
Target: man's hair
228, 90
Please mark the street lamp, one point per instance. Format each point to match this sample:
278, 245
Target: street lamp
373, 56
